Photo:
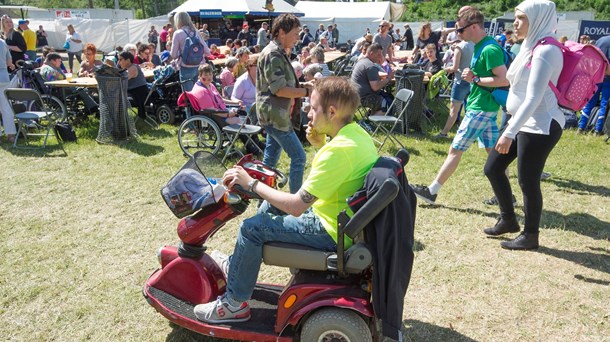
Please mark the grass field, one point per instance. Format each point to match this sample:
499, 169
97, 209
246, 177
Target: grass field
81, 224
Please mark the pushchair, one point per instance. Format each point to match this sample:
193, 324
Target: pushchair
163, 96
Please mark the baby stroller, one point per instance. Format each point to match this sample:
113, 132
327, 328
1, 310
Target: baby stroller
163, 96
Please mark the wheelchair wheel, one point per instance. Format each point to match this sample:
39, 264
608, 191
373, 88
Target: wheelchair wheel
199, 133
332, 324
165, 115
52, 103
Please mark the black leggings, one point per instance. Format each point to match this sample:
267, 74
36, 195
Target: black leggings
531, 151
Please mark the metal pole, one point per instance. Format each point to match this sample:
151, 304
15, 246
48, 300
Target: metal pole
116, 4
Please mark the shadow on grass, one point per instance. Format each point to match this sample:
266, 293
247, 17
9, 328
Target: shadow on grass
415, 330
579, 187
581, 223
596, 261
53, 149
180, 334
492, 214
140, 147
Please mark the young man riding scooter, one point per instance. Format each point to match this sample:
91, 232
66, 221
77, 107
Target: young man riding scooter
338, 170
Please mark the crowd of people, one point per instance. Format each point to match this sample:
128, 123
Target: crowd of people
281, 75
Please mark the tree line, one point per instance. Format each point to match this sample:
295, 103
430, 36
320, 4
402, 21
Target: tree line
417, 10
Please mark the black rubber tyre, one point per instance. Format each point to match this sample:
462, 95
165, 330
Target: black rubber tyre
333, 324
53, 103
165, 115
199, 133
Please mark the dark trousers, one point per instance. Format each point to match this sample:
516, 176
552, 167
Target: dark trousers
531, 151
139, 95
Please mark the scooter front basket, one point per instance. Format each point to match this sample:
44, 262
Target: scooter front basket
190, 190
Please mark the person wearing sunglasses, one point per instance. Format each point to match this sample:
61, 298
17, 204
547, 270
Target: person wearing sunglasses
479, 123
384, 39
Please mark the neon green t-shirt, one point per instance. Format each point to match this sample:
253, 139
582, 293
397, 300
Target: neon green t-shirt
337, 172
491, 57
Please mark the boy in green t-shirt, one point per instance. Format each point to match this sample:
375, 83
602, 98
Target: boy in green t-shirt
338, 170
480, 119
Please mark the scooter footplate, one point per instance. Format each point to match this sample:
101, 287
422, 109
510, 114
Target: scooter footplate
263, 308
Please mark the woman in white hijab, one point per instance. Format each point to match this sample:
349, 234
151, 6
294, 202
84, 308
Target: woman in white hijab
535, 127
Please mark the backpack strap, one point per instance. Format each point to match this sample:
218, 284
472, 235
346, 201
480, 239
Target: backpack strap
547, 41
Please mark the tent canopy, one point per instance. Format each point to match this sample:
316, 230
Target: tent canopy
344, 10
351, 18
236, 7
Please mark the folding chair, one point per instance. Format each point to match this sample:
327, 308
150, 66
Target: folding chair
44, 118
234, 131
382, 121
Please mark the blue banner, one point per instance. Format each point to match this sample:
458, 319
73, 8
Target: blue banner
594, 28
210, 13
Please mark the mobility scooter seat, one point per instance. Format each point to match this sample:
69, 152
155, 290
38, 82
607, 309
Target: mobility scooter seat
358, 257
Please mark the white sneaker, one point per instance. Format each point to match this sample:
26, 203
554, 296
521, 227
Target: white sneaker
220, 311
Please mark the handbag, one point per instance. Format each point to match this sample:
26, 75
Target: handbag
67, 44
65, 132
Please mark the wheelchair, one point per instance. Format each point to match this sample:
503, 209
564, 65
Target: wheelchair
203, 131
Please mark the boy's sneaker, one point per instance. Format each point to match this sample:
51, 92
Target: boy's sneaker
494, 201
545, 175
220, 311
222, 260
423, 193
441, 136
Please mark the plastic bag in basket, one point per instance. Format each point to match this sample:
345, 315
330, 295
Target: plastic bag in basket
189, 191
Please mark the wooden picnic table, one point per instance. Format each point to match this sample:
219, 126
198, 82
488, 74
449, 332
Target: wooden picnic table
87, 82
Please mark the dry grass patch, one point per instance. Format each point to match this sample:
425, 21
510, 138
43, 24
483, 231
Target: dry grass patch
81, 225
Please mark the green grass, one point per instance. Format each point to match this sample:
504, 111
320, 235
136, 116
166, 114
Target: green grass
81, 224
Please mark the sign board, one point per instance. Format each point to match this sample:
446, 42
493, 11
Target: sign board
594, 28
72, 14
210, 13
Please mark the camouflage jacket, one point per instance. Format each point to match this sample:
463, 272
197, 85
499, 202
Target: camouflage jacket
275, 72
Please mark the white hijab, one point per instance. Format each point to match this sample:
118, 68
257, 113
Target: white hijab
542, 19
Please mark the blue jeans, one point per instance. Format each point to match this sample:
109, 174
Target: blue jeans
289, 142
603, 89
188, 74
266, 226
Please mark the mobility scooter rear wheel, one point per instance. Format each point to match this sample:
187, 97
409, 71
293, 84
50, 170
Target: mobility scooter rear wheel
332, 324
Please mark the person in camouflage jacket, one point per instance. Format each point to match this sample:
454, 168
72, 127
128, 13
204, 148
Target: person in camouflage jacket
278, 99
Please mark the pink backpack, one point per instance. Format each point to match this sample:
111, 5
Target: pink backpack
584, 67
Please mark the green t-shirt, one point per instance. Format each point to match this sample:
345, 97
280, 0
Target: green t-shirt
491, 57
337, 172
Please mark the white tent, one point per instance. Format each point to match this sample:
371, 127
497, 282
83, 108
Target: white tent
103, 33
352, 19
237, 7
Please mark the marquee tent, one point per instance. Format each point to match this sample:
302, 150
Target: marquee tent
236, 7
352, 18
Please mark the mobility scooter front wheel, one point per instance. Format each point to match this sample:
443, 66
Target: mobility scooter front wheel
332, 324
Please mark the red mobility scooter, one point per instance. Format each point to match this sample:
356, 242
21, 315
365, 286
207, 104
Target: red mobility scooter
328, 297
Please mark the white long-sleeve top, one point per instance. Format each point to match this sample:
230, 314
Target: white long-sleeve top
531, 101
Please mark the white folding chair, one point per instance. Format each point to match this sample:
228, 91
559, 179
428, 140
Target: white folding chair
41, 116
382, 122
234, 131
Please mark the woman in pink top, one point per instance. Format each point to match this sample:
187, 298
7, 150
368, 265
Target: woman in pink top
207, 96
